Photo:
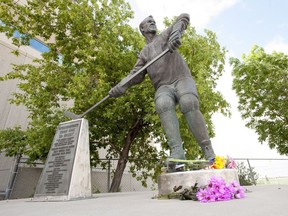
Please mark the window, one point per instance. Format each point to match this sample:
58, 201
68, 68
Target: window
34, 43
38, 46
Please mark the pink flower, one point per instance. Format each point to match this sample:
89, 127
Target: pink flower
218, 190
239, 194
231, 163
202, 195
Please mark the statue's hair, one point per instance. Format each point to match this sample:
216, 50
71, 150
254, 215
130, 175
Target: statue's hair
143, 22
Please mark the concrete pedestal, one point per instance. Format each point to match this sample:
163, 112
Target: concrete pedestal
67, 173
167, 181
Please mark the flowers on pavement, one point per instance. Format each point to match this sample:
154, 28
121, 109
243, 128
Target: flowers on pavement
218, 190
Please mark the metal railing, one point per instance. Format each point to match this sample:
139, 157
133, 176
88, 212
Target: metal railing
11, 174
268, 170
260, 170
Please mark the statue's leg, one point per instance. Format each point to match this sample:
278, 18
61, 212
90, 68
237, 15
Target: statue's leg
189, 106
165, 107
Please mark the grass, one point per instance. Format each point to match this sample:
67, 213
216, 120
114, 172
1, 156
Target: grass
273, 181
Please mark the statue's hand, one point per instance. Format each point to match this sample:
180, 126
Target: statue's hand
117, 91
174, 41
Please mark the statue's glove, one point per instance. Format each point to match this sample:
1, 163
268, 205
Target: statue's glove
117, 91
174, 41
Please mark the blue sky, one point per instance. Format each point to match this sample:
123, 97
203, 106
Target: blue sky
250, 22
238, 24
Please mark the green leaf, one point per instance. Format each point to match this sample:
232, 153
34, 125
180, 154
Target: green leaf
261, 83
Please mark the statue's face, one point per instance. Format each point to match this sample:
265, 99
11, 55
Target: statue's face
149, 26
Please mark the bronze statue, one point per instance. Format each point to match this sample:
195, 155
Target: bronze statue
173, 83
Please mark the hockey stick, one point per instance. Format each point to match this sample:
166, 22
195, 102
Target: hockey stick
75, 116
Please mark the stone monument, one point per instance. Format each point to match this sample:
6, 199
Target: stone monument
67, 173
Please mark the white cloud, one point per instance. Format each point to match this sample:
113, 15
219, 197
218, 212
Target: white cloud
201, 12
278, 44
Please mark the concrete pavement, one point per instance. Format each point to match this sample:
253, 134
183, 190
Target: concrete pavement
269, 200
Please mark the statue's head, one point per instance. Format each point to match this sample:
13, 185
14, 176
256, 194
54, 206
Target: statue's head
148, 25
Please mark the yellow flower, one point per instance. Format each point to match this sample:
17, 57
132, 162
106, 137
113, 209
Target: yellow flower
219, 162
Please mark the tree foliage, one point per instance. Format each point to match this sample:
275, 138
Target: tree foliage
13, 141
261, 82
92, 48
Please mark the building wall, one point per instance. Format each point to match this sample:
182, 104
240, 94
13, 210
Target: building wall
6, 165
10, 114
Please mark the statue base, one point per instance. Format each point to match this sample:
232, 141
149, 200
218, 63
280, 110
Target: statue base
167, 181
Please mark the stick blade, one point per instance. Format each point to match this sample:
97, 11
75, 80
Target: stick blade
72, 115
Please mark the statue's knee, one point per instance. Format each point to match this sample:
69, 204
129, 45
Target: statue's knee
164, 104
188, 102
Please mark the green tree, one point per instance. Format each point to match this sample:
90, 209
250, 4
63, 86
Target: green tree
261, 83
13, 142
92, 48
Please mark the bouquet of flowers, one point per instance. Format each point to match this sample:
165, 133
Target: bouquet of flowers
223, 162
218, 190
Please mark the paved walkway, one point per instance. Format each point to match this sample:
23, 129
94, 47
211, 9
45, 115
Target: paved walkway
271, 200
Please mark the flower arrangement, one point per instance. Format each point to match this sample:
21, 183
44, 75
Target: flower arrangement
222, 162
218, 190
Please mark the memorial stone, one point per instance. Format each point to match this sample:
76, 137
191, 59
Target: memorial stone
67, 173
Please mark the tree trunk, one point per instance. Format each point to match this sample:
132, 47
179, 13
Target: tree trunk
123, 158
121, 165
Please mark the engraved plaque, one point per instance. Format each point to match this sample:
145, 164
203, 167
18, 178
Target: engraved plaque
56, 175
